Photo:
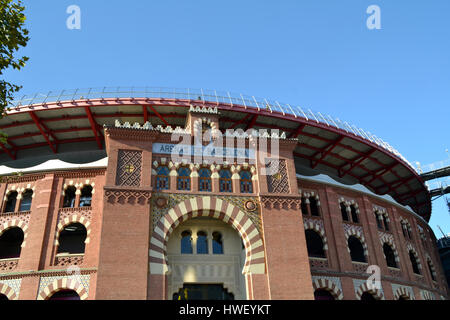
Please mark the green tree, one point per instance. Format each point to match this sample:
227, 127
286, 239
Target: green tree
13, 35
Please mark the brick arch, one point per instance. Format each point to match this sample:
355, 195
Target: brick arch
8, 292
386, 239
360, 236
207, 207
73, 219
403, 292
16, 223
310, 225
410, 248
363, 288
329, 286
63, 284
426, 295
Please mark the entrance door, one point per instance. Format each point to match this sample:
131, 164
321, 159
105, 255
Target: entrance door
203, 292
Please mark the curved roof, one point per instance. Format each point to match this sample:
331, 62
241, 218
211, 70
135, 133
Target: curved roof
73, 120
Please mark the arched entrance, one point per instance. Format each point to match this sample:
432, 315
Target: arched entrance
206, 257
213, 208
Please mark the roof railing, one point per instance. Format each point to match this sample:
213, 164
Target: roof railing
203, 95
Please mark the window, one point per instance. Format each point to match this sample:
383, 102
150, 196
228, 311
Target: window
71, 239
184, 179
386, 222
379, 220
356, 249
202, 243
322, 294
354, 214
11, 243
314, 244
10, 205
186, 242
162, 178
304, 206
313, 206
431, 269
25, 202
204, 179
414, 262
217, 243
246, 181
86, 196
389, 255
225, 180
344, 212
69, 197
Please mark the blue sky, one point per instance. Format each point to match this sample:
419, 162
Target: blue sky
393, 82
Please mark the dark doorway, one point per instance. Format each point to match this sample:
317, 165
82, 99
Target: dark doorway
65, 295
322, 294
203, 292
367, 296
11, 243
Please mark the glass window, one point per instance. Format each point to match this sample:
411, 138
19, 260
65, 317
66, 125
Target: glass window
25, 202
72, 239
386, 223
217, 243
69, 197
344, 212
313, 206
225, 180
162, 178
184, 179
246, 181
204, 179
10, 205
389, 255
186, 242
202, 243
379, 222
86, 196
354, 213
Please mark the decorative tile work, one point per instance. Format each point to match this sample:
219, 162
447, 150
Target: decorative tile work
174, 199
85, 212
129, 166
23, 216
83, 279
14, 284
278, 182
360, 286
399, 290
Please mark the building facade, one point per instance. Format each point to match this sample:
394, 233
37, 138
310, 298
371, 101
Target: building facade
138, 224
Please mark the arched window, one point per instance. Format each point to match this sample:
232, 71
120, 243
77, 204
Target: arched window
344, 212
322, 294
356, 249
390, 256
225, 180
246, 181
431, 269
314, 244
11, 243
354, 213
304, 206
65, 295
367, 296
202, 243
204, 179
10, 205
379, 222
71, 239
386, 222
217, 243
69, 197
414, 262
186, 242
86, 196
25, 202
162, 178
184, 178
313, 206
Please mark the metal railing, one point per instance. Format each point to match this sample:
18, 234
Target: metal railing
203, 95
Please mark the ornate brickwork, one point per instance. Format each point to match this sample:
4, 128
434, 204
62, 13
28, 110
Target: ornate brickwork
426, 295
361, 287
8, 265
278, 202
332, 284
402, 291
137, 197
85, 212
69, 260
279, 181
49, 285
318, 263
10, 288
129, 166
23, 216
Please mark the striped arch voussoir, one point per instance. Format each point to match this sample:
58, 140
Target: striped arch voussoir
63, 284
329, 286
363, 288
357, 234
8, 292
213, 208
310, 225
15, 223
403, 292
73, 219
